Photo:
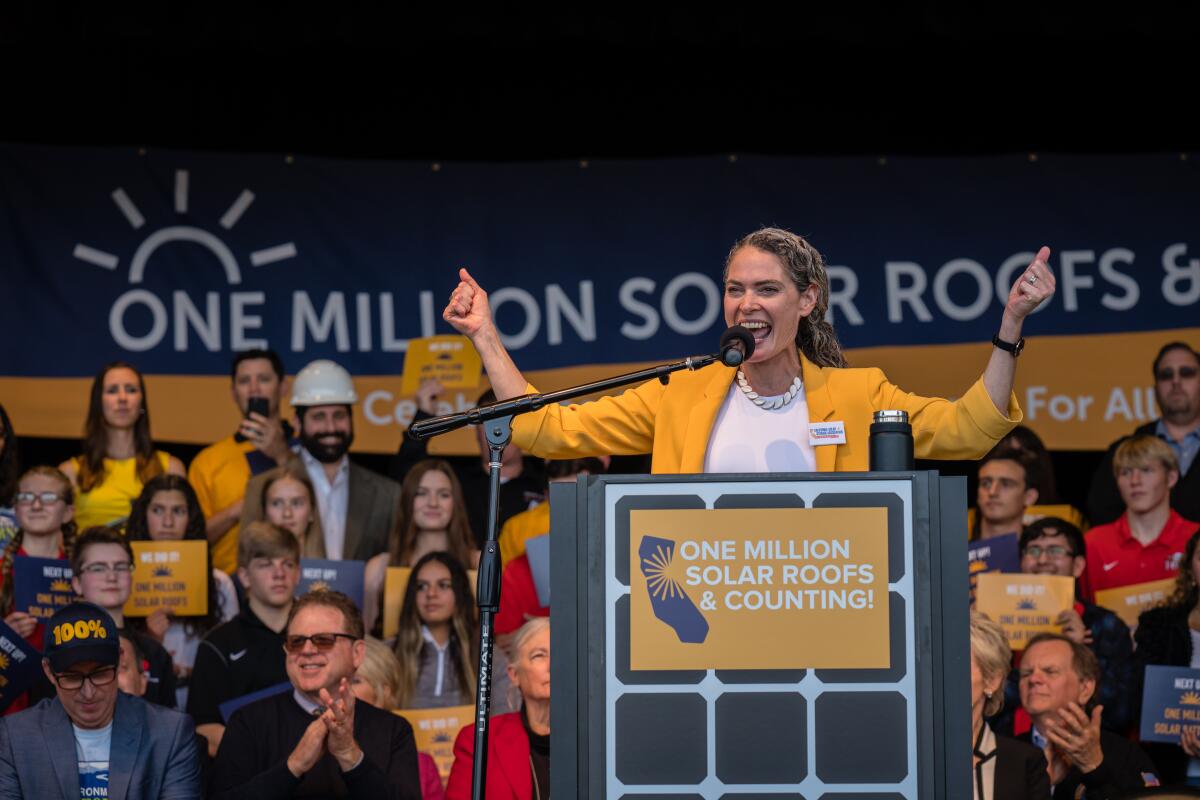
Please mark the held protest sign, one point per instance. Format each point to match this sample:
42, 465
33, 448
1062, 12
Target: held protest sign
41, 586
340, 576
1128, 602
450, 359
711, 588
19, 664
994, 554
435, 729
1170, 703
1024, 605
171, 576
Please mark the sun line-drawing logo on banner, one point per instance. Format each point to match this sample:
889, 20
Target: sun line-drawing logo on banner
181, 233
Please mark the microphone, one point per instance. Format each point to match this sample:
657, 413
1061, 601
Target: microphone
737, 345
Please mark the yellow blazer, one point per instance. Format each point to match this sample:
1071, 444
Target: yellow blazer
674, 423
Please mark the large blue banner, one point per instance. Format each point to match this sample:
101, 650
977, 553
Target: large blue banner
174, 260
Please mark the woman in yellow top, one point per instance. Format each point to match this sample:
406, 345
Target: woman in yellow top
793, 406
118, 453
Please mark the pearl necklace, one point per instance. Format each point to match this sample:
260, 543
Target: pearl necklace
774, 402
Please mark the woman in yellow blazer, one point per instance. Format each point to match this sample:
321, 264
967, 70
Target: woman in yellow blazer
776, 285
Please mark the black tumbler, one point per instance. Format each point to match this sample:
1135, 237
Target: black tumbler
891, 445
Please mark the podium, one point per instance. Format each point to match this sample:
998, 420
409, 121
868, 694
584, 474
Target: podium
788, 636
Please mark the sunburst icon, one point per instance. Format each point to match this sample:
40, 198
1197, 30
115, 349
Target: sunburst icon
319, 586
60, 585
660, 579
162, 572
1028, 604
1190, 699
4, 662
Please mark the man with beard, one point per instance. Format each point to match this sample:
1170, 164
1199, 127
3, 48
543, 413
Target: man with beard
357, 507
1177, 392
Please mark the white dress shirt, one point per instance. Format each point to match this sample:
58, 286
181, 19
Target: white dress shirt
333, 501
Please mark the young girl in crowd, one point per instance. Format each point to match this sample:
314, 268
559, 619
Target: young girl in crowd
9, 469
45, 509
436, 644
44, 504
167, 510
289, 502
433, 518
118, 454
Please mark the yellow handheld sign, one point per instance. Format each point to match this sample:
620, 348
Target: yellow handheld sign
450, 359
1024, 605
1128, 602
170, 576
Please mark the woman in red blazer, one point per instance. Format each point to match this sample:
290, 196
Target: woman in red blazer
518, 765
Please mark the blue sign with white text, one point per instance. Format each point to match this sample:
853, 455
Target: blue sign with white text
346, 577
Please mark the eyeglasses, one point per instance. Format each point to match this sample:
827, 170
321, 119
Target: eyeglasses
324, 642
73, 680
1054, 551
47, 498
1168, 373
122, 568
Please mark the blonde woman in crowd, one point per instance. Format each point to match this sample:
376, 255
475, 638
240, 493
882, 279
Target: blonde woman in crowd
289, 502
1003, 768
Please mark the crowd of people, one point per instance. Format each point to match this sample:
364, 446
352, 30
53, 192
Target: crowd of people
321, 675
1073, 699
267, 694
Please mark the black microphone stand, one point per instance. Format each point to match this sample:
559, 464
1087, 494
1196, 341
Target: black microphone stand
497, 421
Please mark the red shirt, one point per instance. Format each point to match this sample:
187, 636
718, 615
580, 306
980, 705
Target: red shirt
1115, 558
518, 597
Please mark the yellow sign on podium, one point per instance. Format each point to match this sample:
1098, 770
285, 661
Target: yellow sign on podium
791, 588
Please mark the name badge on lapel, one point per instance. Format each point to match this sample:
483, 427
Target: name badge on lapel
820, 433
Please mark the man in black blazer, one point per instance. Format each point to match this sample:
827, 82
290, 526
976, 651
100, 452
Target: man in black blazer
1058, 686
318, 740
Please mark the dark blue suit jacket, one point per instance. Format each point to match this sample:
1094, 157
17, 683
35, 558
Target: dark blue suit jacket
153, 753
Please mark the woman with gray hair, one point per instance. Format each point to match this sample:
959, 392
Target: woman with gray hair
519, 743
1004, 768
756, 418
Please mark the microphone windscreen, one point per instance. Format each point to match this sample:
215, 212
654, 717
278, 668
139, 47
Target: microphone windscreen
742, 336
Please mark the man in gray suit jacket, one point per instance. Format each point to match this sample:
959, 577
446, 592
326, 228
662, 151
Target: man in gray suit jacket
357, 507
91, 740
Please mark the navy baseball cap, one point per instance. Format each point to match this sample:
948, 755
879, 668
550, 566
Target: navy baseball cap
81, 632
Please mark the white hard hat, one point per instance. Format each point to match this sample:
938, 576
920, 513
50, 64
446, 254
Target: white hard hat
323, 383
